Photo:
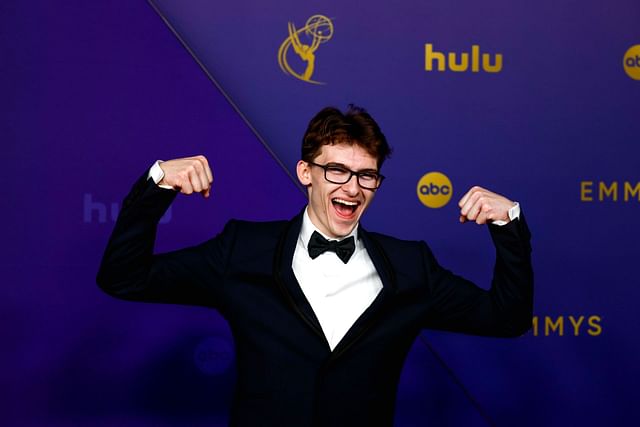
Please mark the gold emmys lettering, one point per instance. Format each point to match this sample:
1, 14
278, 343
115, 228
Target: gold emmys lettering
317, 30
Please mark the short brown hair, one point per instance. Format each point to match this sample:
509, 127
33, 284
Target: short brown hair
330, 126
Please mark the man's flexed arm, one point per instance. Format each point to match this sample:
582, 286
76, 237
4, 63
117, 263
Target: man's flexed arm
506, 308
129, 268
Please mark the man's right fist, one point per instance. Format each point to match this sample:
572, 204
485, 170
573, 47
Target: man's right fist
188, 175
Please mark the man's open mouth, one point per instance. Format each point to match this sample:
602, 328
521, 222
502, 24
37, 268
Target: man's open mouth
344, 207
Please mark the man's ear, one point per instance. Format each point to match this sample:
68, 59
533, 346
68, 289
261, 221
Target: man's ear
303, 170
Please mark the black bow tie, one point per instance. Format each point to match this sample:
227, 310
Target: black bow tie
343, 248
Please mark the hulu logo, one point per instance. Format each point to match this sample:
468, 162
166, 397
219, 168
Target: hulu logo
101, 212
461, 62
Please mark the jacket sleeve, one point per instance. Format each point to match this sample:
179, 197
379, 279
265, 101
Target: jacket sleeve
506, 309
131, 271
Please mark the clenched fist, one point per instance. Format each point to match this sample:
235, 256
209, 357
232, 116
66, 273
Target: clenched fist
188, 175
482, 206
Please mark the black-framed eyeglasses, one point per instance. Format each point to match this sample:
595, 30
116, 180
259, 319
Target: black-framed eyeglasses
337, 174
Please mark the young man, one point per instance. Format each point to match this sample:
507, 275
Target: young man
322, 311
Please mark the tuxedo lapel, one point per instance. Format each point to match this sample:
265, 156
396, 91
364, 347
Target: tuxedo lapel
380, 260
286, 279
378, 306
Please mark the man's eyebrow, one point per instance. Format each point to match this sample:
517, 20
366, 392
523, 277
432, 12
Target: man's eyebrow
341, 165
335, 164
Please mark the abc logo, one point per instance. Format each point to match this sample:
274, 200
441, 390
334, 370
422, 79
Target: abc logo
632, 62
434, 190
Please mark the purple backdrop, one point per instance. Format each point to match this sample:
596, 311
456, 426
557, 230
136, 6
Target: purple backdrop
94, 92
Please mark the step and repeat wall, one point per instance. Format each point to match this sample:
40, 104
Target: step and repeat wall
538, 101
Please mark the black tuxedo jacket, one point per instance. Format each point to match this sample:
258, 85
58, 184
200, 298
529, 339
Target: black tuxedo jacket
286, 373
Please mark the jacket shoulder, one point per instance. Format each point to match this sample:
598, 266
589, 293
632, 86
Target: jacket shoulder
265, 228
252, 235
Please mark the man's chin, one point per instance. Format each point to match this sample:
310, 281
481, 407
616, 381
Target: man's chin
344, 229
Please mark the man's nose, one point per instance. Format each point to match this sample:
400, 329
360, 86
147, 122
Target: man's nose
352, 186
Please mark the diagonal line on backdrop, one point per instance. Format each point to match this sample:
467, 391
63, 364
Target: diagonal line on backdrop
457, 380
423, 340
226, 96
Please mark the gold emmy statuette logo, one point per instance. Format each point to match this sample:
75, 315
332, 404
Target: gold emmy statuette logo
434, 190
317, 30
631, 62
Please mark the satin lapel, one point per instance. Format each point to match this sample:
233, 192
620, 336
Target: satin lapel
378, 306
286, 279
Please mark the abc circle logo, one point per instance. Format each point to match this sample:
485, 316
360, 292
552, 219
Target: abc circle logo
434, 190
632, 62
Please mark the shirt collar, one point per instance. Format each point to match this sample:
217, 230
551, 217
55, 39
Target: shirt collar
308, 228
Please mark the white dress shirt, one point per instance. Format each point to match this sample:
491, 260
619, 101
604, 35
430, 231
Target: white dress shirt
338, 293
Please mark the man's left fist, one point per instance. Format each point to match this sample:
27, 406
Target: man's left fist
482, 206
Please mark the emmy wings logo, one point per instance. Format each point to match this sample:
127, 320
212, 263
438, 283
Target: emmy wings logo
304, 43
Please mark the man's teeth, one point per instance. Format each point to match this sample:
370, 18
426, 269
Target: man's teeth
345, 202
